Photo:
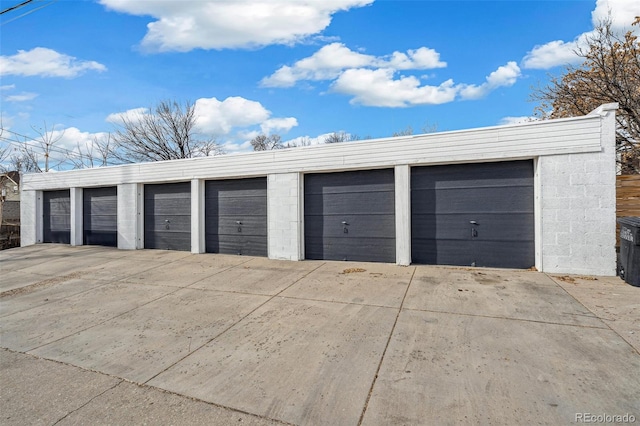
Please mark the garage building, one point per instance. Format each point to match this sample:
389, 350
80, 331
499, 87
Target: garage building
539, 194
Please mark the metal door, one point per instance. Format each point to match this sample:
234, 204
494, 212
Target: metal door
350, 216
473, 214
56, 211
236, 216
100, 216
167, 216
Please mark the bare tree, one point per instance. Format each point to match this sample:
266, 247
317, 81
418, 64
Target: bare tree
429, 127
302, 141
266, 143
338, 137
45, 141
610, 73
407, 131
96, 154
167, 132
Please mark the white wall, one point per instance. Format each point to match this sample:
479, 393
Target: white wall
574, 186
285, 215
30, 218
578, 207
130, 218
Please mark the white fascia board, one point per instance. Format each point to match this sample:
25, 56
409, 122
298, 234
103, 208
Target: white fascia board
498, 143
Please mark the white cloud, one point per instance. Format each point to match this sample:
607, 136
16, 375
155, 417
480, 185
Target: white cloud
22, 97
71, 138
331, 60
622, 12
517, 120
306, 140
134, 114
326, 64
221, 118
504, 76
559, 52
7, 87
218, 24
278, 124
379, 88
45, 62
419, 59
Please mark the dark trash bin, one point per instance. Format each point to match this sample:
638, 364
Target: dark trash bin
630, 250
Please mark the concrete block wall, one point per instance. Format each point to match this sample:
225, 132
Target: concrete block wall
130, 219
578, 208
30, 218
285, 213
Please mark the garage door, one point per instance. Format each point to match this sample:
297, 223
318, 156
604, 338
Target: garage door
350, 216
473, 214
236, 216
167, 216
100, 216
56, 211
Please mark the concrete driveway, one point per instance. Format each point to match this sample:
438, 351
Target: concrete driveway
102, 336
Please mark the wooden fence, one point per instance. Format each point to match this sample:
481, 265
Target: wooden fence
627, 199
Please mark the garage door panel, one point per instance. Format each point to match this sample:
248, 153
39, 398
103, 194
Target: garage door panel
498, 197
101, 223
168, 240
372, 226
456, 226
239, 206
512, 255
56, 211
249, 225
352, 203
365, 200
100, 216
101, 238
442, 252
250, 245
169, 207
518, 173
350, 182
495, 199
167, 216
168, 223
228, 202
332, 248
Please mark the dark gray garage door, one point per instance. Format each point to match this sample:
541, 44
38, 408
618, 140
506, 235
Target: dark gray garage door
350, 216
236, 216
473, 214
56, 211
100, 216
167, 216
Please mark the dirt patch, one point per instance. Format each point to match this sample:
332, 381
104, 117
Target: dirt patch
33, 287
353, 270
572, 280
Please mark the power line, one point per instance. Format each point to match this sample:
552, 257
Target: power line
17, 6
38, 144
29, 12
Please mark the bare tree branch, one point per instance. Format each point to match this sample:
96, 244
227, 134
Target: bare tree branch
266, 143
167, 132
610, 73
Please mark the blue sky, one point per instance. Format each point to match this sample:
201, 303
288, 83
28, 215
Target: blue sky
296, 68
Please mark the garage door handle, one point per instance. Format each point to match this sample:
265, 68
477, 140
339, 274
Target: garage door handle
473, 222
238, 222
167, 221
344, 223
